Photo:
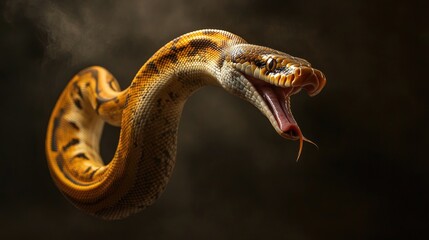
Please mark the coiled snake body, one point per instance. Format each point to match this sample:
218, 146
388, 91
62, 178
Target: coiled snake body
148, 113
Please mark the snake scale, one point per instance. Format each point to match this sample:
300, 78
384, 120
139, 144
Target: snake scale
148, 113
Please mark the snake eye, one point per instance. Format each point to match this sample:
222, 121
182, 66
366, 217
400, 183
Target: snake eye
271, 64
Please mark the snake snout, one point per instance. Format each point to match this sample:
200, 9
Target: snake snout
310, 79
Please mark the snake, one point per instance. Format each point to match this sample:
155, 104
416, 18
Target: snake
148, 114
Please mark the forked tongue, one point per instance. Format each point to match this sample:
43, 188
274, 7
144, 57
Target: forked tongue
279, 102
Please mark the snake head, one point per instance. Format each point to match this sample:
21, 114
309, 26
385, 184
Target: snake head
267, 78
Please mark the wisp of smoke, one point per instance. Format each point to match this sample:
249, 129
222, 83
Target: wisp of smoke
89, 29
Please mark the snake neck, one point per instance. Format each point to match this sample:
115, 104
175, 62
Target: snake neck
154, 103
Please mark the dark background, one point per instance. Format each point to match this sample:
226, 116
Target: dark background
235, 178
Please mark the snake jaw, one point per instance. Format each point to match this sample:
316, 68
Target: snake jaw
277, 100
267, 78
276, 91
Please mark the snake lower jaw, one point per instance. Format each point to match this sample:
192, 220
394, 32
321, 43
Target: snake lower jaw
277, 97
277, 100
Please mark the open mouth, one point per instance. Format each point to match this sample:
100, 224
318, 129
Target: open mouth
277, 98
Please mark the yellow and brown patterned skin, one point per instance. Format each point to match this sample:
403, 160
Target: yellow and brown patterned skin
148, 113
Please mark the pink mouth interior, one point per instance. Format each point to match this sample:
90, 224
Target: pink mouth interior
278, 100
